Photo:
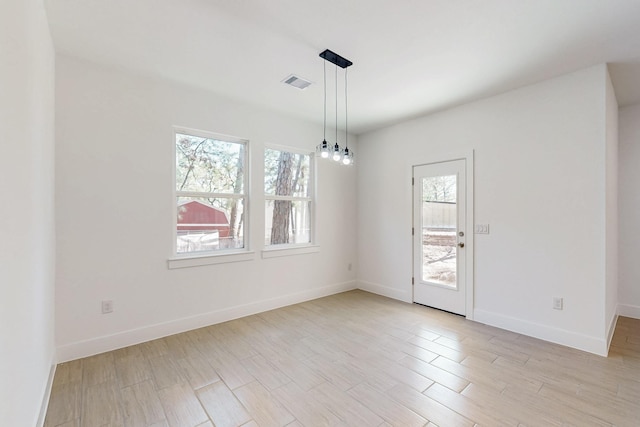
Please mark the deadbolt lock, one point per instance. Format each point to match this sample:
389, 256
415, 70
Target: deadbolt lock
461, 244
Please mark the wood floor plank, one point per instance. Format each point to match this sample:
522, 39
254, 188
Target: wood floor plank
154, 348
407, 376
224, 409
179, 346
102, 405
476, 376
337, 372
629, 390
197, 370
428, 408
505, 371
235, 343
231, 370
65, 403
438, 349
619, 412
132, 369
307, 410
420, 353
141, 405
263, 407
466, 407
435, 374
306, 377
98, 369
508, 409
392, 412
181, 406
348, 409
265, 372
166, 372
374, 375
68, 372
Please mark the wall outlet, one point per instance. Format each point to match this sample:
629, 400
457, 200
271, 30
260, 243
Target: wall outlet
557, 303
107, 306
482, 228
349, 267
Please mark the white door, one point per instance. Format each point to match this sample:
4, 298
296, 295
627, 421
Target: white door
439, 218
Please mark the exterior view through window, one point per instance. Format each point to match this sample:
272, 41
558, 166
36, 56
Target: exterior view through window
288, 188
439, 224
210, 193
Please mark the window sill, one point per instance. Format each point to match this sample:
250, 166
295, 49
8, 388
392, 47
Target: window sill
209, 259
290, 250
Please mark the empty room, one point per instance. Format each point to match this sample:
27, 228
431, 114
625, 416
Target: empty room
314, 213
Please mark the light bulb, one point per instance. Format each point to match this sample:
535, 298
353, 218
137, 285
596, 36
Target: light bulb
347, 156
336, 153
323, 149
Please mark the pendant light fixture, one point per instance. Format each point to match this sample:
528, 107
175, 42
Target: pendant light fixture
343, 156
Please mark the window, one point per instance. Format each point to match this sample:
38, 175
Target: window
210, 193
288, 188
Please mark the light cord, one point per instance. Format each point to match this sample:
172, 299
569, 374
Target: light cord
346, 113
324, 134
336, 79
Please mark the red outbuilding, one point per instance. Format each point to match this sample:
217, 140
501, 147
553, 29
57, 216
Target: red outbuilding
194, 217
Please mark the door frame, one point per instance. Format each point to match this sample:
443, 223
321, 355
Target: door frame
468, 157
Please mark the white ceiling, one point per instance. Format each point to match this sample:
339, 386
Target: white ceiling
410, 57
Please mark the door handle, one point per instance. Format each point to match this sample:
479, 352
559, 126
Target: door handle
461, 244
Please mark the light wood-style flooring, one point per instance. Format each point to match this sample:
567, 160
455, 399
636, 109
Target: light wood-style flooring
353, 359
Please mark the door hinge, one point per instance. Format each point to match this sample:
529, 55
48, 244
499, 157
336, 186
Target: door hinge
413, 231
413, 280
413, 181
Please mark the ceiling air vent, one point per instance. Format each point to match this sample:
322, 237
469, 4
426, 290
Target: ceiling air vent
296, 82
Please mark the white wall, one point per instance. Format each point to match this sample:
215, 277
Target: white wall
629, 205
611, 208
114, 179
26, 218
537, 147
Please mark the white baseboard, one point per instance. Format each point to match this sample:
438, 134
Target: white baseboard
79, 349
386, 291
628, 310
564, 337
612, 329
47, 395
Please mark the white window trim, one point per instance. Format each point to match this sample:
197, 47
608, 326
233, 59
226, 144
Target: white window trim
289, 250
195, 259
272, 251
209, 259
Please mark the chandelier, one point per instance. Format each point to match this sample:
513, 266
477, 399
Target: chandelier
335, 153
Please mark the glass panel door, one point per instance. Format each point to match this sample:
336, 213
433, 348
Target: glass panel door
439, 240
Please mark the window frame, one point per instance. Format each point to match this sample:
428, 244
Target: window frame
278, 250
192, 259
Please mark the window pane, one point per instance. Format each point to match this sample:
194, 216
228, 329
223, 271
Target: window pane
206, 224
209, 165
286, 174
287, 222
439, 229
